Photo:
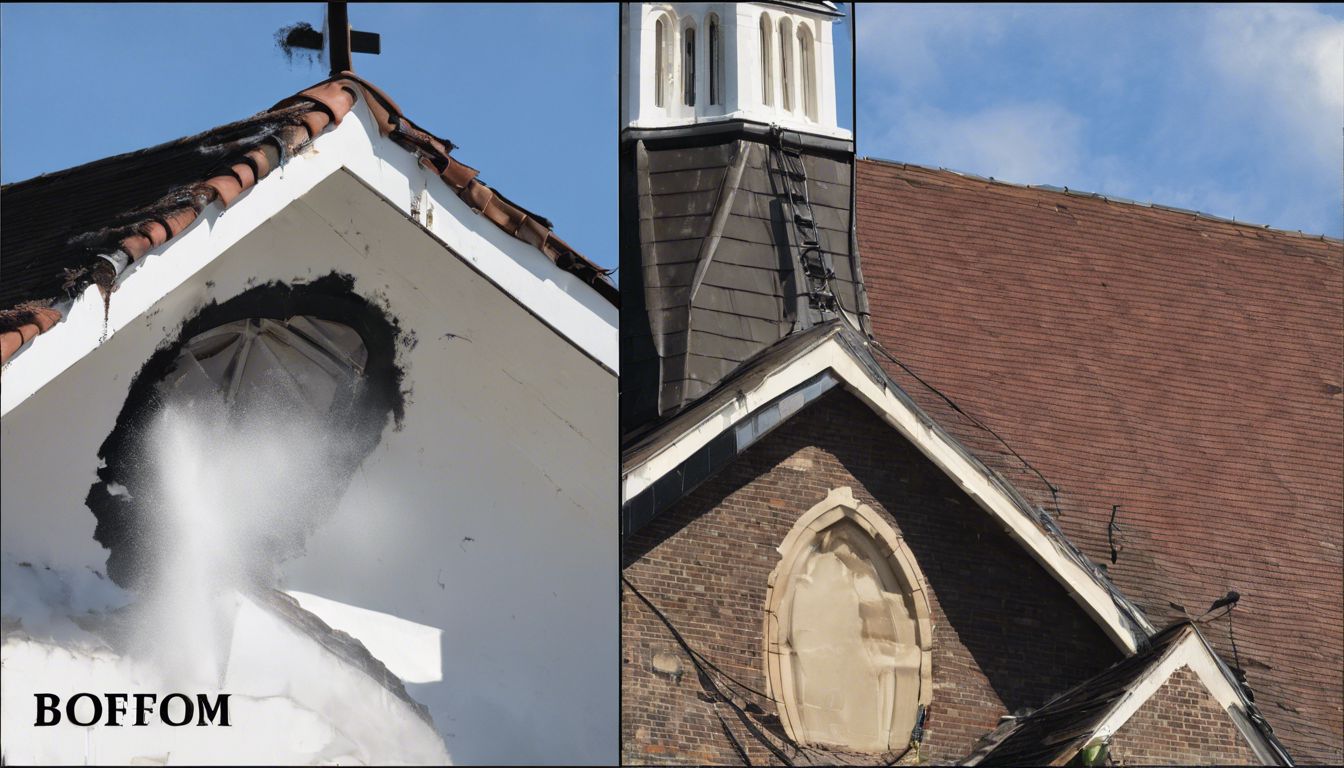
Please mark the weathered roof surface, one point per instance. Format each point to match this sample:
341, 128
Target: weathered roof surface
1185, 368
712, 271
22, 323
54, 226
1053, 734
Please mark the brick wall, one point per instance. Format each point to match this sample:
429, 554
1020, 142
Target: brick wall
1006, 635
1181, 724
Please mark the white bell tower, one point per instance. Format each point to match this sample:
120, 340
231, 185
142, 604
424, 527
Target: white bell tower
687, 64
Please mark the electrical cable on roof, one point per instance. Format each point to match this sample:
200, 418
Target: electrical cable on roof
1126, 607
1110, 533
977, 422
1235, 656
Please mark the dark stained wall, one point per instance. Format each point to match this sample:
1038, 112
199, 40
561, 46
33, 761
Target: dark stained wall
1006, 635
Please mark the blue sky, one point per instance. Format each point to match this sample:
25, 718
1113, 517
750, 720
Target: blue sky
1235, 111
1230, 110
527, 92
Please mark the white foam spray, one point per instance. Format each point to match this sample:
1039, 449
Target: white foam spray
228, 494
235, 492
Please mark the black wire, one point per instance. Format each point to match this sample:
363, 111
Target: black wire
974, 420
737, 746
1235, 656
1110, 533
901, 756
705, 678
739, 683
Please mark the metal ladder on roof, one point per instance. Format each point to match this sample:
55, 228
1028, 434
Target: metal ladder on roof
817, 268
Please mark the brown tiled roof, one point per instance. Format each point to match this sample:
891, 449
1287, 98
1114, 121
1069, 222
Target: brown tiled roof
56, 225
22, 323
1185, 368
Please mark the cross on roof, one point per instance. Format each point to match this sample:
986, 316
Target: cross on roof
341, 41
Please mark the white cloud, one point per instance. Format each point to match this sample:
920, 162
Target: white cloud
1039, 143
904, 41
1286, 65
1235, 111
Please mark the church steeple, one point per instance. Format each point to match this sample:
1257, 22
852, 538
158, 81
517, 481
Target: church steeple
687, 64
736, 194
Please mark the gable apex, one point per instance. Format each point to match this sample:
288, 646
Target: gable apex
174, 197
764, 392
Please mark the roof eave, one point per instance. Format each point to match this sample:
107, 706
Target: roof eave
843, 352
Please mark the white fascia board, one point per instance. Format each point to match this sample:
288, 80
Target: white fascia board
572, 308
640, 477
1080, 585
564, 302
1194, 653
163, 269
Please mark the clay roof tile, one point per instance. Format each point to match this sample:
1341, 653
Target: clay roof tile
1184, 367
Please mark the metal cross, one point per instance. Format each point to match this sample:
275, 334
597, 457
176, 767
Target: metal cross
341, 41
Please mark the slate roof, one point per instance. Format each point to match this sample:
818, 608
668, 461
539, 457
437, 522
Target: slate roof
1185, 368
711, 268
53, 227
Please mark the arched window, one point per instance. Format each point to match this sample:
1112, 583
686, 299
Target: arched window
659, 62
848, 636
688, 67
807, 72
767, 82
715, 59
786, 64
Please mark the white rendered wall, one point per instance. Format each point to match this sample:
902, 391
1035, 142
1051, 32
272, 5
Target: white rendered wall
741, 57
488, 517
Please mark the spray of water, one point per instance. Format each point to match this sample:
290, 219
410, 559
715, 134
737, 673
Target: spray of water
225, 494
234, 492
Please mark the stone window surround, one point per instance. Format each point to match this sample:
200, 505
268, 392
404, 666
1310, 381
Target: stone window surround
840, 504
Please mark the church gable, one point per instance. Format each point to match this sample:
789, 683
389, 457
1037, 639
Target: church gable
1004, 634
66, 233
1172, 703
365, 259
1181, 724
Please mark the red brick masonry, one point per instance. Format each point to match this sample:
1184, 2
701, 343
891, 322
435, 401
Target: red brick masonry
1006, 635
1181, 724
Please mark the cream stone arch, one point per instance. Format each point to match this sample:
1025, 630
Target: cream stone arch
847, 630
787, 85
767, 60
